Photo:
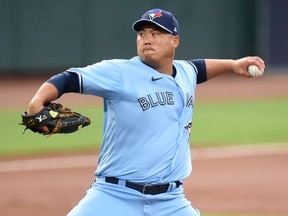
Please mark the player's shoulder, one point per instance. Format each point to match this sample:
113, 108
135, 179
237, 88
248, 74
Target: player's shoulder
198, 66
121, 62
112, 61
186, 66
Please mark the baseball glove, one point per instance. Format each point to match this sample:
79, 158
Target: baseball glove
56, 118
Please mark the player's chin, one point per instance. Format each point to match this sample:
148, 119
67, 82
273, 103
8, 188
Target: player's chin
148, 60
148, 56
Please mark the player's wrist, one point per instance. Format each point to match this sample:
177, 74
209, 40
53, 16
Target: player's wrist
34, 107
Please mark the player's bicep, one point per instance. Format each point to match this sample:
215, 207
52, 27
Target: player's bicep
66, 82
200, 68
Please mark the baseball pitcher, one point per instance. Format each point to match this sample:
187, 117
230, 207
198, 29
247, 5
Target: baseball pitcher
148, 106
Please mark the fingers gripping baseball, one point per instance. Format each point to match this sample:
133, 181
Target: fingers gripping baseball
249, 66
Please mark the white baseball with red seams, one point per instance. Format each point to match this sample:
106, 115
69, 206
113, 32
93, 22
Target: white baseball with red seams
254, 71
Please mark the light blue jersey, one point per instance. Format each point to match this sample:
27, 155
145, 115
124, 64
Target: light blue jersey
147, 119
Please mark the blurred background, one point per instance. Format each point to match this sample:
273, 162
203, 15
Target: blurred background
48, 36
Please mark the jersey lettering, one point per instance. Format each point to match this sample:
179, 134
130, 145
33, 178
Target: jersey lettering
160, 98
190, 101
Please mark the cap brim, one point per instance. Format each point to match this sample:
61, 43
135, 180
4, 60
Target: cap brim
138, 24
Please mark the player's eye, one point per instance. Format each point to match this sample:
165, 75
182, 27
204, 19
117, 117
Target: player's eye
155, 33
141, 34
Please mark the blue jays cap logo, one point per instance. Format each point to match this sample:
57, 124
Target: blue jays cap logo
166, 21
155, 15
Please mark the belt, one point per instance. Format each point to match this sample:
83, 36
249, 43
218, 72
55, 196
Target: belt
144, 189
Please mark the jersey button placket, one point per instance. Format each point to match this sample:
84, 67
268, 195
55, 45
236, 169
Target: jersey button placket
147, 206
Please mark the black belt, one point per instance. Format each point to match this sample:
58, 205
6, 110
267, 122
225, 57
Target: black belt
144, 189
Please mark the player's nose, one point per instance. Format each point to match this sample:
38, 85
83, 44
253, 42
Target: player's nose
147, 40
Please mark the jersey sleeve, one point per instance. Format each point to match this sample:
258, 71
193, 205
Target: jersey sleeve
103, 79
200, 68
65, 82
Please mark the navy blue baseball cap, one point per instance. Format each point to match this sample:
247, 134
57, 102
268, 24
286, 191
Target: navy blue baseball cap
161, 18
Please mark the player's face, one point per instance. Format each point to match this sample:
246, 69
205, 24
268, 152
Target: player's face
156, 46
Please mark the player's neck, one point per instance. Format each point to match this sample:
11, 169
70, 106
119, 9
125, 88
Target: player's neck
165, 68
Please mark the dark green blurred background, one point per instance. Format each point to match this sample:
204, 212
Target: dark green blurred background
40, 36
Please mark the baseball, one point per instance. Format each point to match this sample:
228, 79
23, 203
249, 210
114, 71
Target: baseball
254, 71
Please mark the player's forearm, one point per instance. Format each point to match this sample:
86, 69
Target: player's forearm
216, 67
46, 93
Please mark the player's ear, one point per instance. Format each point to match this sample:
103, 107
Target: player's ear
176, 41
